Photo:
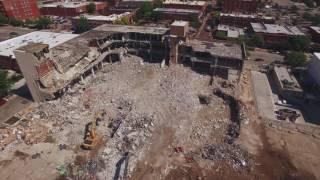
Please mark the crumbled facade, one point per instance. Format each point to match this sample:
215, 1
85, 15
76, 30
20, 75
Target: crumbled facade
49, 72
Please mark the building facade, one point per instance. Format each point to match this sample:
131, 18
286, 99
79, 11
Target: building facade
243, 20
274, 34
69, 9
7, 57
240, 6
193, 5
20, 9
178, 14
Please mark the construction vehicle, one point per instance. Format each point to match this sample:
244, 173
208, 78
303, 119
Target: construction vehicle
91, 137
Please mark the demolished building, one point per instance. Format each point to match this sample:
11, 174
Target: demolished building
49, 72
214, 58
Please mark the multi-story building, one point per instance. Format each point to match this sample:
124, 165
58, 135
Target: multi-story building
240, 6
274, 34
20, 9
8, 59
69, 9
193, 5
50, 71
95, 21
178, 14
244, 20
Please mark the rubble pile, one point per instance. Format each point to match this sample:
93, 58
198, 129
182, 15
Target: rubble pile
26, 131
231, 153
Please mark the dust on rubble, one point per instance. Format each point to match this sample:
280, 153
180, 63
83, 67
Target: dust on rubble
158, 123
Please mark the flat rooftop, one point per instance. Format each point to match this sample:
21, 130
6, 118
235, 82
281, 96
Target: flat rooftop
126, 29
111, 17
174, 10
316, 29
276, 29
180, 23
246, 16
226, 50
287, 80
190, 3
8, 32
232, 32
137, 0
67, 4
50, 38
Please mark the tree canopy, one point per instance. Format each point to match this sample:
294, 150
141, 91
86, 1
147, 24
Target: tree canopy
3, 19
296, 59
15, 22
83, 25
5, 83
43, 23
122, 21
91, 8
299, 43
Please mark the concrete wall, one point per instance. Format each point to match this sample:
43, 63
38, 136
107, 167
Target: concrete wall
27, 62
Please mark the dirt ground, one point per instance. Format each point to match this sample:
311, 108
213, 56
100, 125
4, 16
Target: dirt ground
170, 118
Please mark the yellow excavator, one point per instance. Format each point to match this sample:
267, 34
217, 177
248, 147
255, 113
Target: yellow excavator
92, 138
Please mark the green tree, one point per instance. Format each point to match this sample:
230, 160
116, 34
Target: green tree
195, 23
145, 10
3, 19
299, 43
29, 22
296, 59
15, 22
5, 83
83, 25
309, 3
155, 16
221, 35
91, 8
122, 21
158, 4
43, 23
257, 40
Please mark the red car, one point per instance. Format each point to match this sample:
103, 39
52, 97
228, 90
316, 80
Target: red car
2, 102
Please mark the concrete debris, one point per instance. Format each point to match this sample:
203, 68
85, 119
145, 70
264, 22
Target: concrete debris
232, 154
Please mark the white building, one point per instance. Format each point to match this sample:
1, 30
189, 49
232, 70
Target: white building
314, 68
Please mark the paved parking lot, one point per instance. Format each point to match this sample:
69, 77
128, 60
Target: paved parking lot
263, 95
13, 106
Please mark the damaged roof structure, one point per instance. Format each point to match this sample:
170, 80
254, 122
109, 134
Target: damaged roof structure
50, 71
215, 58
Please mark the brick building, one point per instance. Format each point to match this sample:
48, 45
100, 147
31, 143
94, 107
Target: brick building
69, 9
20, 9
178, 14
243, 20
274, 34
240, 6
193, 5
